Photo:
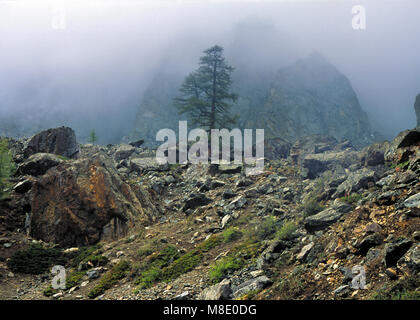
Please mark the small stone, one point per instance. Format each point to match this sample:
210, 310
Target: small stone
58, 295
391, 273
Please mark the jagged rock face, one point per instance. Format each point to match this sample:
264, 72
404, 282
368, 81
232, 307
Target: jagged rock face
404, 146
417, 109
310, 97
60, 141
84, 201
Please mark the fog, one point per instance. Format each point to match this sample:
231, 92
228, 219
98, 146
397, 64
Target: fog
91, 71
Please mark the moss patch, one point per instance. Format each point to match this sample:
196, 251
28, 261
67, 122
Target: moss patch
36, 259
117, 273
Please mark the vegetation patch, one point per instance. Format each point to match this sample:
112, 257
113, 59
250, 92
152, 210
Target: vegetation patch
267, 229
36, 259
404, 289
171, 264
118, 272
91, 255
287, 231
231, 234
312, 207
351, 199
224, 267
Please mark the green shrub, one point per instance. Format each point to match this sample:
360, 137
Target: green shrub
312, 207
231, 234
287, 231
91, 254
118, 272
404, 289
36, 259
224, 267
145, 251
50, 291
351, 199
148, 278
168, 265
267, 229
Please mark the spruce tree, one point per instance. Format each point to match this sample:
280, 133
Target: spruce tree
205, 93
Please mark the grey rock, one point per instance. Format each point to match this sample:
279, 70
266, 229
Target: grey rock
410, 262
373, 155
326, 217
38, 164
304, 251
315, 164
361, 179
342, 291
124, 151
59, 141
92, 274
258, 283
394, 251
183, 296
363, 245
142, 165
196, 200
220, 291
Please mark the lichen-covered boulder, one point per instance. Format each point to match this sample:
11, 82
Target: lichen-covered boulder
81, 202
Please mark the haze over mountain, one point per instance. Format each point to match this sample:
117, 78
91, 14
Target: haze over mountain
93, 73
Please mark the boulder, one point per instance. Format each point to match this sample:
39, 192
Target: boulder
60, 141
413, 203
78, 203
38, 164
410, 262
258, 283
405, 145
315, 164
196, 200
326, 217
220, 291
143, 165
395, 250
360, 179
123, 152
137, 143
374, 154
364, 244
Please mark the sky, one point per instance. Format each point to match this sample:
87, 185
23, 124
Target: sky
87, 63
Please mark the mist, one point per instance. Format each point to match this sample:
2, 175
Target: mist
92, 73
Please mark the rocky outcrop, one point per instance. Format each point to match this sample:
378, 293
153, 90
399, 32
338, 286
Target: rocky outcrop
360, 179
314, 164
374, 154
404, 146
60, 141
81, 202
